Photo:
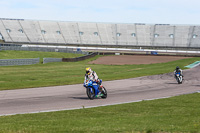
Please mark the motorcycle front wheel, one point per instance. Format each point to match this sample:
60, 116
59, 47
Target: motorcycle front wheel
90, 93
180, 79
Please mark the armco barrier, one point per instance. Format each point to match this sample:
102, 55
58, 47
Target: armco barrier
13, 62
44, 48
47, 60
79, 58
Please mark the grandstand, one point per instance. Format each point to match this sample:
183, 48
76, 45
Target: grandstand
20, 31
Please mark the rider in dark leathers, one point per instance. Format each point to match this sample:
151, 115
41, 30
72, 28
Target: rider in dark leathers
178, 70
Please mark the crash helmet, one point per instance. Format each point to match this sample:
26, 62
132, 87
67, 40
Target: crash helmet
177, 68
88, 70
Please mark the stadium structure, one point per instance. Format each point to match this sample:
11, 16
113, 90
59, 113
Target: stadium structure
135, 35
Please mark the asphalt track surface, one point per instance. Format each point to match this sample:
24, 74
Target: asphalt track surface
46, 99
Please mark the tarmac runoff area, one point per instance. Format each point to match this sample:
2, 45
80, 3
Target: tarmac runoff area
47, 99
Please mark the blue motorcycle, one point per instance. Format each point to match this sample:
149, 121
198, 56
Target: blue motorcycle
93, 90
179, 77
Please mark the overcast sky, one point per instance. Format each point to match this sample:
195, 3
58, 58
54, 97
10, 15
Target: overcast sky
114, 11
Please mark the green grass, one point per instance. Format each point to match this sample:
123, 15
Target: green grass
176, 114
65, 73
35, 54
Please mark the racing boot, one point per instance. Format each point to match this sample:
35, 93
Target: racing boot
100, 88
99, 94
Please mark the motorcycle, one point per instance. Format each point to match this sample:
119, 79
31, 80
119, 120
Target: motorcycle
179, 77
93, 90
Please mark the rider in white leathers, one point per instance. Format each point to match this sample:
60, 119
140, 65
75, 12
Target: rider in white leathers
92, 75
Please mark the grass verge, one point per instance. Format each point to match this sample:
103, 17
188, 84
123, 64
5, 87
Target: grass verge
176, 114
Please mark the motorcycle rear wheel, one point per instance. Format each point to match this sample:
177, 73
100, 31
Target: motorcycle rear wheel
104, 92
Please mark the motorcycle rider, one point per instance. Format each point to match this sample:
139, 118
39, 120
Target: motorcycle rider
177, 70
92, 75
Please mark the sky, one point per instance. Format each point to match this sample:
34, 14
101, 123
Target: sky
107, 11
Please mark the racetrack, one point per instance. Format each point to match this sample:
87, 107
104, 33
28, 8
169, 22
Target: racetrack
47, 99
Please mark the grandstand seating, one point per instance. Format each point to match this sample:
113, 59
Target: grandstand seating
181, 36
90, 33
143, 35
107, 33
82, 33
70, 32
4, 33
128, 34
165, 35
51, 32
33, 31
195, 36
14, 31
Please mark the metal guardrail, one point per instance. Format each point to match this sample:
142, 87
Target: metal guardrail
47, 60
13, 62
42, 48
79, 58
107, 49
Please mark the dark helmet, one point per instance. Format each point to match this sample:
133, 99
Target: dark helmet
177, 68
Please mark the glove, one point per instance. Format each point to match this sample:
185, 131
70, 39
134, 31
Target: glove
85, 84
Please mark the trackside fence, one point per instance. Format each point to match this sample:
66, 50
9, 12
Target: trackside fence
47, 60
79, 58
13, 62
41, 48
